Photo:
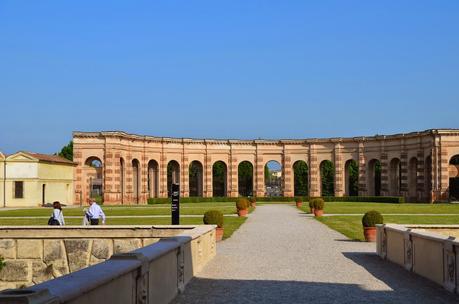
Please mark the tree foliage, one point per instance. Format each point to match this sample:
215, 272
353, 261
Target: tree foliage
353, 169
327, 174
219, 179
245, 177
67, 151
300, 172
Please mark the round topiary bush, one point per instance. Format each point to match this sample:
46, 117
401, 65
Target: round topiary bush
242, 203
371, 218
213, 217
253, 199
318, 204
298, 199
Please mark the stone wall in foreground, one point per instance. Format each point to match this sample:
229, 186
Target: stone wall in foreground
37, 254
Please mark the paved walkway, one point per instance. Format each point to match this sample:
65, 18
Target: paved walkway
281, 255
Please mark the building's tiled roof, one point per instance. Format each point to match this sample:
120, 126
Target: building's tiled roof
51, 158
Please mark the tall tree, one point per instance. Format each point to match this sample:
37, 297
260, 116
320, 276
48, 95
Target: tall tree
67, 151
327, 172
300, 169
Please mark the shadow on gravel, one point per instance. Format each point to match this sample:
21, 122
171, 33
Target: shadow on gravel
348, 240
261, 291
400, 280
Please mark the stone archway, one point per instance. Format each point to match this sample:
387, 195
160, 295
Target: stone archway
395, 177
273, 178
153, 179
173, 175
453, 171
412, 179
136, 180
219, 179
300, 178
245, 178
94, 172
195, 179
351, 178
374, 177
327, 178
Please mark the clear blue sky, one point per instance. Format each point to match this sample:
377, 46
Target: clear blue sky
225, 69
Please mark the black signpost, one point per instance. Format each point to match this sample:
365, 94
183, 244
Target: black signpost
175, 197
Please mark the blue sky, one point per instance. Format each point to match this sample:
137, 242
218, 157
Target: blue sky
225, 69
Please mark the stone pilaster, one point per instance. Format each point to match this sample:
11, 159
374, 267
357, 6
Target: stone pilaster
420, 182
314, 173
163, 176
362, 171
287, 176
339, 171
109, 177
233, 187
259, 177
444, 173
384, 174
208, 190
185, 176
404, 173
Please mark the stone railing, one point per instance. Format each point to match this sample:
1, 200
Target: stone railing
419, 250
170, 258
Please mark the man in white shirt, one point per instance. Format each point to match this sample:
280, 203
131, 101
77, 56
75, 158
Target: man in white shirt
94, 213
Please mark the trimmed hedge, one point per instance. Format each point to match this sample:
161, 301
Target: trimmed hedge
365, 199
371, 218
318, 203
213, 217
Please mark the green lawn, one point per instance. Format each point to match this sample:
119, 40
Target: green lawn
185, 209
386, 208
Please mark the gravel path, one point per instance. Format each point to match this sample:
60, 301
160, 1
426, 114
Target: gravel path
281, 255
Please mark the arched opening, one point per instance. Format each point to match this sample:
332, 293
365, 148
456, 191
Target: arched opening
351, 178
327, 178
195, 179
219, 178
273, 178
374, 177
428, 178
454, 178
395, 177
245, 178
412, 179
136, 180
173, 175
122, 180
94, 172
300, 178
153, 179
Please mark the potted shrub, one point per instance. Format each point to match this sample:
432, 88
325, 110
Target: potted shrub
253, 202
298, 202
215, 217
242, 206
318, 205
369, 221
311, 206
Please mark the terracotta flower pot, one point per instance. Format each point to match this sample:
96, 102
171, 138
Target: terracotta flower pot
370, 234
299, 204
318, 212
311, 210
219, 234
242, 212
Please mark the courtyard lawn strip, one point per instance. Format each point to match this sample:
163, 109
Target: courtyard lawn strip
231, 224
351, 226
385, 208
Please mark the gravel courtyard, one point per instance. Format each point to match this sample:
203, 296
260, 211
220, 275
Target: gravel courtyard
281, 255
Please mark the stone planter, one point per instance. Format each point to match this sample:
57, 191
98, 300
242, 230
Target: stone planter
242, 212
318, 212
219, 234
370, 234
299, 204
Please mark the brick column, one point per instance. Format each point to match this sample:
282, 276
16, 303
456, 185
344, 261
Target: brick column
362, 171
404, 173
163, 176
143, 180
384, 174
233, 186
259, 177
339, 171
108, 176
420, 182
287, 176
129, 181
444, 173
185, 176
78, 171
314, 173
208, 191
